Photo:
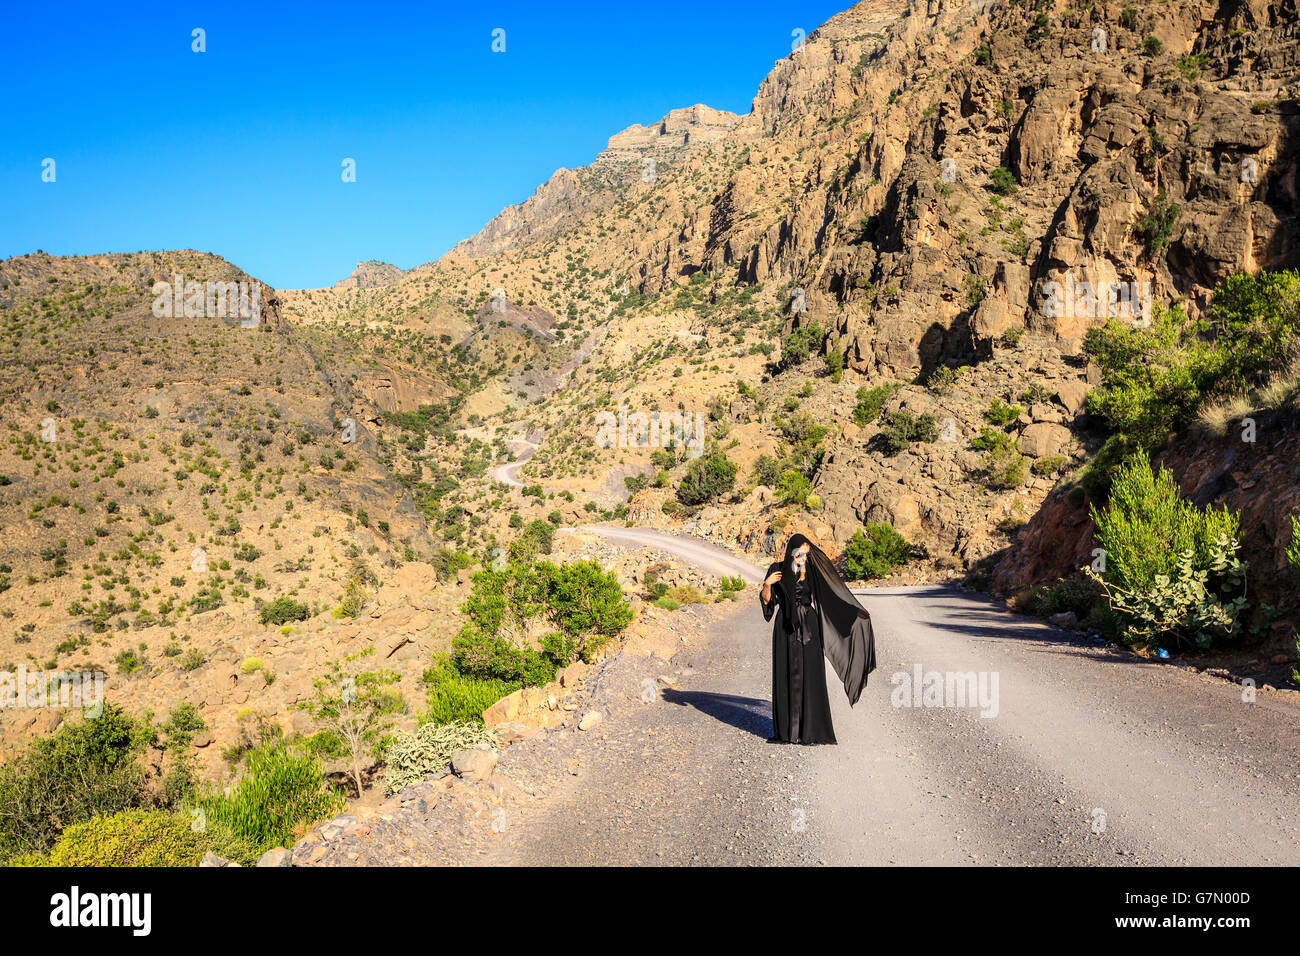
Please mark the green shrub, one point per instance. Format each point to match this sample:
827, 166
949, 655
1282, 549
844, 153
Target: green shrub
583, 603
799, 344
874, 551
707, 478
1049, 466
1155, 224
1002, 464
1171, 568
900, 429
1004, 467
130, 838
87, 768
1002, 181
667, 603
1154, 379
1078, 593
283, 792
1191, 64
944, 378
1000, 414
685, 594
871, 402
413, 757
283, 610
536, 539
793, 487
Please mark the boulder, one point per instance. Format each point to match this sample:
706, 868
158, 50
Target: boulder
1071, 395
512, 731
505, 710
474, 764
277, 857
1043, 439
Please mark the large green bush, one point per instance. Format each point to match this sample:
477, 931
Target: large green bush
874, 551
707, 479
799, 344
578, 604
899, 429
283, 610
871, 401
1171, 569
793, 487
87, 768
130, 838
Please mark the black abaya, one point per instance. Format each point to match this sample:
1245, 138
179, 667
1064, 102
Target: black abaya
801, 709
819, 616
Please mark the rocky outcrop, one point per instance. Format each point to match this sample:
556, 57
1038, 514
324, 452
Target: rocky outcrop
637, 155
371, 274
904, 253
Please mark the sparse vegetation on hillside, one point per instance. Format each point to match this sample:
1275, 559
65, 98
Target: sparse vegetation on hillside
1155, 378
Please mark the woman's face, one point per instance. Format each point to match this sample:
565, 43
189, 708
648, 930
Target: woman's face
800, 558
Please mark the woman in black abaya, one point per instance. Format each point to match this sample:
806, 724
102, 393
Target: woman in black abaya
818, 616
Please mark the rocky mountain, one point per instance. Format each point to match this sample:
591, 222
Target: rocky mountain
370, 274
918, 185
638, 153
897, 251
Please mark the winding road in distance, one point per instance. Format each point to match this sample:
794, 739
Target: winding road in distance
509, 473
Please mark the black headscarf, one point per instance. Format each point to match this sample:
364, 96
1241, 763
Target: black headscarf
848, 640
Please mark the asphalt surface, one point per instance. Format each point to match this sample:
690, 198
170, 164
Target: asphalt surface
1086, 756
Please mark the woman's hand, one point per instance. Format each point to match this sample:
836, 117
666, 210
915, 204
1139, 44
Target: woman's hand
766, 594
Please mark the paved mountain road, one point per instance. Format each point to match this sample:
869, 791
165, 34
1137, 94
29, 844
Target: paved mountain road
1092, 757
508, 473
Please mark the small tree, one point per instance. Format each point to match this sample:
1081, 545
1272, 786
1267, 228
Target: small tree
707, 478
874, 551
1003, 181
356, 709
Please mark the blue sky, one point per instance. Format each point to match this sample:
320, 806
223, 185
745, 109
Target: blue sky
238, 150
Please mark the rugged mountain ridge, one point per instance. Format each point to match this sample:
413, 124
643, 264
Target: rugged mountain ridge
916, 184
637, 152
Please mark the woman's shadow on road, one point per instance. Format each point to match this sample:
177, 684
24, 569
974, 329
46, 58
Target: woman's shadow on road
744, 713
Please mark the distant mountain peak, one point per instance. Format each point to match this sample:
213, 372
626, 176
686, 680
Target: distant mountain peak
570, 195
371, 274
